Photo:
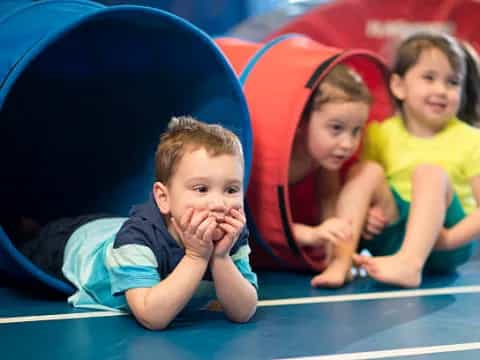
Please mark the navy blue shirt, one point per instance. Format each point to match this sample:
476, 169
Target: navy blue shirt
146, 226
106, 257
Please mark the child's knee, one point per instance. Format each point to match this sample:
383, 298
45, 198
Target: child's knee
434, 177
429, 171
369, 170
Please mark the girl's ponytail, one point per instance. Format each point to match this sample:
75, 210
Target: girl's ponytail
470, 107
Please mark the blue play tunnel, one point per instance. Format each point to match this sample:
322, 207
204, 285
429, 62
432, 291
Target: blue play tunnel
85, 91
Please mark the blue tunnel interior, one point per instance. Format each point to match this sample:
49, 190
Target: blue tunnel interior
82, 118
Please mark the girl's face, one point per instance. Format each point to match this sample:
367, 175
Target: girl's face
334, 132
430, 91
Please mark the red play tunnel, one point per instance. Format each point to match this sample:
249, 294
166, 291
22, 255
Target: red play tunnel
278, 78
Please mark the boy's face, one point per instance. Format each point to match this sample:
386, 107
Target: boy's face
334, 131
202, 181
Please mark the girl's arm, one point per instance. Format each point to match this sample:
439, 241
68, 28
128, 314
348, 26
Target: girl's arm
330, 228
466, 230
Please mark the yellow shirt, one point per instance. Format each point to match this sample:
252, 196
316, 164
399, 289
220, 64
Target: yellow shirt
456, 149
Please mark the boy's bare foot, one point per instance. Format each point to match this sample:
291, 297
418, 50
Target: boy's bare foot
334, 276
396, 269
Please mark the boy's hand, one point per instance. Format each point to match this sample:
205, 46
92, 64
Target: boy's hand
374, 223
333, 230
232, 226
195, 230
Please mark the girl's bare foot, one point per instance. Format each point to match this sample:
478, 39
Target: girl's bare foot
334, 276
396, 269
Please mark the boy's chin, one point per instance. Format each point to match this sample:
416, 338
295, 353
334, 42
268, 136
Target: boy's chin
218, 234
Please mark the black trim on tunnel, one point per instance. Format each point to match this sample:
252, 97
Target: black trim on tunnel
258, 239
319, 71
286, 227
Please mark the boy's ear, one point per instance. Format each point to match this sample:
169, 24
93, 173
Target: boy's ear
397, 87
162, 197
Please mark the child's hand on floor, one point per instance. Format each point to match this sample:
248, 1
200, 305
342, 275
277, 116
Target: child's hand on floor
444, 241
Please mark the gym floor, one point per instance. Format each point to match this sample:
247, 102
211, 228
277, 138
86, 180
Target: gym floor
364, 320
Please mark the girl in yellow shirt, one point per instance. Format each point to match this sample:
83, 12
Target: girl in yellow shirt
431, 161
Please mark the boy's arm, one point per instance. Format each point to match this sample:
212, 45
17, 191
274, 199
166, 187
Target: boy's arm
157, 306
466, 230
236, 294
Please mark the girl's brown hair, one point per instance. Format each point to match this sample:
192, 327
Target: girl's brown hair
470, 109
342, 84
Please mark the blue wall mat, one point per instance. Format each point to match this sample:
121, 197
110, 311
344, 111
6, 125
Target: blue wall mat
216, 17
213, 16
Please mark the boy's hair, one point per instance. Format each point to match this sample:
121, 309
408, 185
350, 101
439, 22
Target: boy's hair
409, 52
345, 85
184, 134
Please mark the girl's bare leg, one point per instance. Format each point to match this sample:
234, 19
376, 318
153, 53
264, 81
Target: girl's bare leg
365, 185
431, 195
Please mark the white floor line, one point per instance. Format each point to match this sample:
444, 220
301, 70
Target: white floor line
383, 354
82, 315
279, 302
373, 296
